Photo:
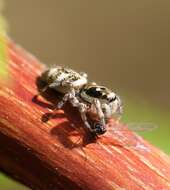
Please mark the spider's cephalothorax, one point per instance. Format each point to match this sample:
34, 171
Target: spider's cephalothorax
85, 96
109, 102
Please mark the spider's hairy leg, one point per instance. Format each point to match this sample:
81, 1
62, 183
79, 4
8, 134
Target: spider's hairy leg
63, 101
83, 109
100, 113
41, 91
67, 97
71, 97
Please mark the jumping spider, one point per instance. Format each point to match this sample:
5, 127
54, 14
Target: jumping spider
87, 97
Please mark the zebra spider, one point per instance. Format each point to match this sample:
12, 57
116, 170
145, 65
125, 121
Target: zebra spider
87, 97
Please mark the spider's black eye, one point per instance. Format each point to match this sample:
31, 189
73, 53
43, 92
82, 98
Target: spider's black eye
104, 96
95, 92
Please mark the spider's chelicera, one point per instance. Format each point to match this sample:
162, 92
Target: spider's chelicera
87, 97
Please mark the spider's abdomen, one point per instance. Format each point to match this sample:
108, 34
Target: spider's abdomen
62, 78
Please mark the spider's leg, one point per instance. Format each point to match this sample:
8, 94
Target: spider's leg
41, 91
55, 84
71, 97
100, 113
82, 107
61, 103
67, 97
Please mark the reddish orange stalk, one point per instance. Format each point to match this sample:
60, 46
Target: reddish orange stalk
53, 154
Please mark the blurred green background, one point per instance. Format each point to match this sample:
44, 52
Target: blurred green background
124, 45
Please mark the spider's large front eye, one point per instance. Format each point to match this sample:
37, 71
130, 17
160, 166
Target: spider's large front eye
95, 92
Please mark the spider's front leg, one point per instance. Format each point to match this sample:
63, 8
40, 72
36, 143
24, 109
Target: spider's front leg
83, 110
67, 97
53, 85
71, 97
100, 113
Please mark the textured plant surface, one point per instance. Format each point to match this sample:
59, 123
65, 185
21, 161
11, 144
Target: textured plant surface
47, 150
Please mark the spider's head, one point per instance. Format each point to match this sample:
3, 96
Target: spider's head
110, 102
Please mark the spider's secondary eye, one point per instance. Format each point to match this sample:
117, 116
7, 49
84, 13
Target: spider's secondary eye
112, 99
104, 96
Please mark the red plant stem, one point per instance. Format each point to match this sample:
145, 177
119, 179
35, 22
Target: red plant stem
58, 154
